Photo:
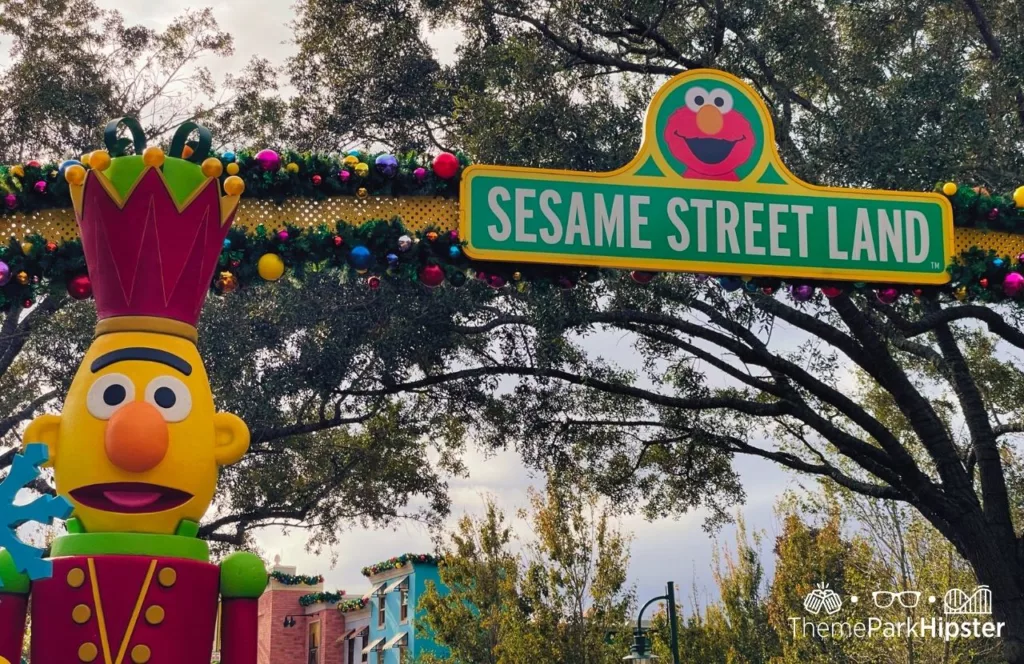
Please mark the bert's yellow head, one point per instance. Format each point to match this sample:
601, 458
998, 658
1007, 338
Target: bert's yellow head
138, 444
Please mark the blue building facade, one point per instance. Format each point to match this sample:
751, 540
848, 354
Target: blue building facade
393, 598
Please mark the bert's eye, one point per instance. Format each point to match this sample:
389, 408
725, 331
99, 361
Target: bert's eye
722, 99
171, 398
695, 98
109, 393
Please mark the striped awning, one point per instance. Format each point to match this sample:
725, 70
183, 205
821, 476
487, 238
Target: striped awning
400, 641
373, 591
373, 645
396, 584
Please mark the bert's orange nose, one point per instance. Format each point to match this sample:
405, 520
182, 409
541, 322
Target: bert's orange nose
136, 438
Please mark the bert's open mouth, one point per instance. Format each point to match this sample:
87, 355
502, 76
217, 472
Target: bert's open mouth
711, 150
130, 497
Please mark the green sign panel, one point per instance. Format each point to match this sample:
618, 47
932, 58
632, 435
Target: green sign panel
706, 193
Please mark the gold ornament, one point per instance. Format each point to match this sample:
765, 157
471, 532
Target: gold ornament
362, 193
949, 188
227, 282
961, 293
521, 287
153, 157
22, 278
362, 169
26, 248
431, 236
85, 158
234, 186
517, 276
74, 174
99, 160
270, 267
18, 171
350, 160
292, 167
232, 168
212, 168
1018, 197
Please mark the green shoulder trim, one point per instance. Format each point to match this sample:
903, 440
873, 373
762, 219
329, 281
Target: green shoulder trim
242, 576
15, 582
130, 544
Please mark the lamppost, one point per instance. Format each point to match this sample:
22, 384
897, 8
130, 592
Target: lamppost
639, 653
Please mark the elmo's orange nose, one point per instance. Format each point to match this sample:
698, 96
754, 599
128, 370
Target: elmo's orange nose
709, 120
136, 438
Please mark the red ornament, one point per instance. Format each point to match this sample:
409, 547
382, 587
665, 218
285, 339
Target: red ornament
993, 213
33, 164
236, 263
51, 246
767, 290
373, 282
317, 180
983, 282
496, 281
918, 292
432, 276
80, 287
338, 241
642, 278
446, 165
27, 303
831, 291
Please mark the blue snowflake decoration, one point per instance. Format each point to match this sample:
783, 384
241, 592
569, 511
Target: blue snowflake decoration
44, 509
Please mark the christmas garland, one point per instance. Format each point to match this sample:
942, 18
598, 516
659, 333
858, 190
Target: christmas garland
384, 250
316, 598
400, 561
33, 186
296, 579
355, 604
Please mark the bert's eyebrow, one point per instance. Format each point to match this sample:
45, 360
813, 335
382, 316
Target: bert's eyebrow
145, 354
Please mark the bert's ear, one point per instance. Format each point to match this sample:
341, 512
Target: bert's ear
46, 429
231, 439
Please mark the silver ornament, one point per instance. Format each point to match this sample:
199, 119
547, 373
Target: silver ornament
404, 243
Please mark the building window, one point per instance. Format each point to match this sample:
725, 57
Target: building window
381, 610
314, 643
351, 659
404, 595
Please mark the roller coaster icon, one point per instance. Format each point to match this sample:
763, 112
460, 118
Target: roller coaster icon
956, 602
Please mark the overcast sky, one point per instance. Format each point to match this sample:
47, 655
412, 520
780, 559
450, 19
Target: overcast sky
677, 550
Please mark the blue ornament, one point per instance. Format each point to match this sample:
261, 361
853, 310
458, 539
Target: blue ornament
730, 283
353, 153
392, 259
360, 258
387, 165
750, 287
454, 252
998, 262
24, 469
227, 243
228, 156
65, 165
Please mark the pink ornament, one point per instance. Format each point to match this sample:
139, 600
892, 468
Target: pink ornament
831, 291
40, 187
432, 276
802, 293
887, 295
1020, 259
420, 174
446, 165
1013, 284
993, 213
495, 281
11, 201
268, 160
453, 235
282, 235
344, 175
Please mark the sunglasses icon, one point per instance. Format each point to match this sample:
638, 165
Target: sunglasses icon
908, 599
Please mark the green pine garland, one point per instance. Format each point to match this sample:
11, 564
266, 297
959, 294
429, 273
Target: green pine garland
296, 579
327, 597
400, 561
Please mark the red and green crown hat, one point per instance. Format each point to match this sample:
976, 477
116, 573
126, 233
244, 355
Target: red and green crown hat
152, 227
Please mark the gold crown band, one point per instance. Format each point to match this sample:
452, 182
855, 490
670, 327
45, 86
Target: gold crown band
147, 324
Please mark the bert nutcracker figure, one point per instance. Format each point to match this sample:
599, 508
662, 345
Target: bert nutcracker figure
137, 446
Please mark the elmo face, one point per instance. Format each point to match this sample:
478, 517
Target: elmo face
709, 136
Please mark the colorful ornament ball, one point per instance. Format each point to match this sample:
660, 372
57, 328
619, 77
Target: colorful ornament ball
80, 287
642, 278
432, 276
360, 258
5, 273
387, 165
802, 292
268, 160
420, 174
1013, 284
446, 165
270, 267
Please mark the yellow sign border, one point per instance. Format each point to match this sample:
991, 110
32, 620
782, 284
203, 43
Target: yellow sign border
649, 149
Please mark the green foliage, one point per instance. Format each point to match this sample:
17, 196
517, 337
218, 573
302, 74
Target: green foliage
564, 602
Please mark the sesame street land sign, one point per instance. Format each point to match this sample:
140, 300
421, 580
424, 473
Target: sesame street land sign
707, 192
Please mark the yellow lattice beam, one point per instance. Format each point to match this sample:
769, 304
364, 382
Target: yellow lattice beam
416, 212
